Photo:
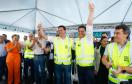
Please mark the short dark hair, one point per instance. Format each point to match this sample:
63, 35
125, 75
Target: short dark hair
125, 28
103, 38
18, 36
82, 26
104, 33
14, 35
62, 26
112, 38
4, 35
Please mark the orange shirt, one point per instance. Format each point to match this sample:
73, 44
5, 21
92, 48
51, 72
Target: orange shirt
15, 51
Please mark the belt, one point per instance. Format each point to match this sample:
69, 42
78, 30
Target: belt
39, 55
125, 82
87, 67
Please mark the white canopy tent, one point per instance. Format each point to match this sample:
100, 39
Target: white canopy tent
28, 13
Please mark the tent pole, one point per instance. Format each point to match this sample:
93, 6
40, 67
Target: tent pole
106, 9
58, 17
21, 17
17, 10
126, 12
77, 4
46, 19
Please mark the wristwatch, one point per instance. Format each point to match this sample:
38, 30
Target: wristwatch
123, 70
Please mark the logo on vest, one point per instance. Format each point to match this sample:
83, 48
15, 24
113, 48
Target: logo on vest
66, 46
126, 58
79, 45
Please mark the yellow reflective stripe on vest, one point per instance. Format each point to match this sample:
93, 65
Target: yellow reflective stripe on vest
84, 53
60, 61
61, 56
64, 55
28, 54
112, 77
85, 59
85, 56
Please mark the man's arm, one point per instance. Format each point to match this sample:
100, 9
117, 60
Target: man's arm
89, 27
122, 69
127, 69
105, 59
91, 13
106, 62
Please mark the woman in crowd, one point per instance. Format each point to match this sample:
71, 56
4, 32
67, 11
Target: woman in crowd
102, 72
13, 60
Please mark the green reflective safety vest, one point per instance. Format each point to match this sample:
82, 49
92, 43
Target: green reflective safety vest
119, 59
62, 50
28, 52
84, 53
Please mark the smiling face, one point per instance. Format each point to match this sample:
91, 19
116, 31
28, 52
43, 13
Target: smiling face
25, 38
81, 32
120, 35
61, 31
104, 42
30, 36
14, 38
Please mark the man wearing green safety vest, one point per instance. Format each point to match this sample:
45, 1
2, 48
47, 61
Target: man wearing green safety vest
118, 57
28, 60
84, 49
62, 57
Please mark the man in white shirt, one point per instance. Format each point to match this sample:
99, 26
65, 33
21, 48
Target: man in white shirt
39, 59
84, 49
118, 56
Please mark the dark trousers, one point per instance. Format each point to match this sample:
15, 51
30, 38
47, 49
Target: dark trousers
62, 74
3, 67
50, 68
39, 69
123, 82
102, 75
130, 81
86, 75
110, 82
28, 71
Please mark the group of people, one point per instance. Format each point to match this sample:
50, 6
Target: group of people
45, 57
